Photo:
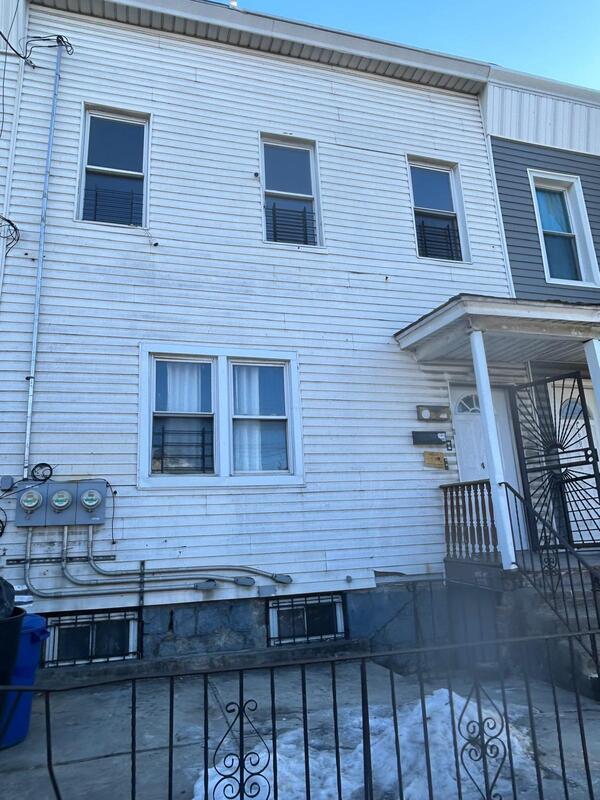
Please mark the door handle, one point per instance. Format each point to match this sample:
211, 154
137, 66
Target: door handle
482, 465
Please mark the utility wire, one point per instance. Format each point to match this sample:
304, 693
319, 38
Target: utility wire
3, 90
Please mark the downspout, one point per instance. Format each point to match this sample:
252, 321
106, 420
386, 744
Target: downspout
40, 262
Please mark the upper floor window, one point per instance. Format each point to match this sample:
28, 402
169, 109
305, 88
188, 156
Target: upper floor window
114, 169
565, 237
290, 193
436, 213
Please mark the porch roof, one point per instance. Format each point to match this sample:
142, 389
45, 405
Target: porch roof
514, 330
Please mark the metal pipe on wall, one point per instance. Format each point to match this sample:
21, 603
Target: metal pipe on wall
95, 592
276, 577
40, 263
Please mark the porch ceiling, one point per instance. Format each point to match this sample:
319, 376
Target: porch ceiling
514, 330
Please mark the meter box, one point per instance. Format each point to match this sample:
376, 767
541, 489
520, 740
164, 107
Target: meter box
31, 506
91, 502
62, 503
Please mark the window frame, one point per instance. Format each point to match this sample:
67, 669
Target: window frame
453, 170
222, 395
299, 144
202, 414
133, 117
576, 208
232, 362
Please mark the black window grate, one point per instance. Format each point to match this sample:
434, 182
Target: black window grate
295, 226
92, 636
438, 236
309, 618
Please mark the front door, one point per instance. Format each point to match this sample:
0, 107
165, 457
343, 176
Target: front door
468, 431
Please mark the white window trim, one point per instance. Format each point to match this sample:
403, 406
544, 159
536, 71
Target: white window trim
282, 140
284, 604
453, 168
90, 111
222, 359
578, 219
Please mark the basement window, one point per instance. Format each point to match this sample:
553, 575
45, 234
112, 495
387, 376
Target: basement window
89, 637
438, 212
114, 171
312, 618
568, 251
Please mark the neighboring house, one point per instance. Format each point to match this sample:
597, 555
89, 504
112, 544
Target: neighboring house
241, 213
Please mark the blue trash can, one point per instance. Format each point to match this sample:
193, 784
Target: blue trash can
16, 715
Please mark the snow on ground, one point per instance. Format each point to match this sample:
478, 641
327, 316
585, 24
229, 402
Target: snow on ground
290, 755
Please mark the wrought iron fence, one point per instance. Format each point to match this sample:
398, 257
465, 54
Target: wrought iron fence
449, 724
567, 581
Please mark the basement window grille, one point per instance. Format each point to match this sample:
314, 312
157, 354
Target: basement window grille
312, 618
92, 636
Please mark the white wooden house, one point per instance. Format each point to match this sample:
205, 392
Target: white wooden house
241, 213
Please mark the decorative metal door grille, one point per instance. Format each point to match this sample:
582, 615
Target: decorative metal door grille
557, 455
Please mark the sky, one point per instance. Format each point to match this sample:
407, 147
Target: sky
558, 39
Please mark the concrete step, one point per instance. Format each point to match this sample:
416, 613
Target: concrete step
61, 677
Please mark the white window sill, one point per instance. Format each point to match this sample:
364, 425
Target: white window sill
566, 282
209, 482
296, 248
98, 224
429, 260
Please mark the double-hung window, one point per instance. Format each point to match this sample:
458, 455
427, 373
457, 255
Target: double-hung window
259, 418
114, 169
567, 247
183, 418
290, 193
436, 212
213, 417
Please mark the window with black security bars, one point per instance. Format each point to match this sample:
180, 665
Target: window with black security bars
311, 618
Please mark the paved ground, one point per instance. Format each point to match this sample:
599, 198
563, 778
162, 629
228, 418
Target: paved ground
91, 735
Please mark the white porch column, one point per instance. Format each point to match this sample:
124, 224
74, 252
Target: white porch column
492, 449
592, 356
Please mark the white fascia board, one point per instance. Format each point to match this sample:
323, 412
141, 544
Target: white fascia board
475, 308
210, 13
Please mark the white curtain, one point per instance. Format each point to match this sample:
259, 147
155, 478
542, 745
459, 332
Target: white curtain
247, 451
184, 387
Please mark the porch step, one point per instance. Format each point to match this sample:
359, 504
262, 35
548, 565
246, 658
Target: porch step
62, 677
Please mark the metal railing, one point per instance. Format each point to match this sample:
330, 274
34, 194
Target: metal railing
349, 727
568, 582
435, 241
290, 225
469, 524
113, 205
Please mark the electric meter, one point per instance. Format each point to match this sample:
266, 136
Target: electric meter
30, 500
61, 500
90, 499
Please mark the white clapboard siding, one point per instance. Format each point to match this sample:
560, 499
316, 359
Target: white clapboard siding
543, 117
367, 503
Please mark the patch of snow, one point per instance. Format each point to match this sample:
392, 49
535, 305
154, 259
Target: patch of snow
290, 756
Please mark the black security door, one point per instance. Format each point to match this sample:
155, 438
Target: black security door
557, 456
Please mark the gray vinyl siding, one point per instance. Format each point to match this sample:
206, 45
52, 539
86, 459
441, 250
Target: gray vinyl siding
511, 160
